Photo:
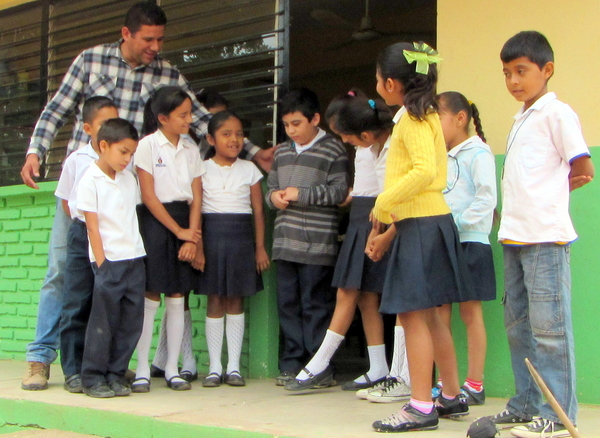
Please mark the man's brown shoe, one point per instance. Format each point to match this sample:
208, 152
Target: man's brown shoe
37, 376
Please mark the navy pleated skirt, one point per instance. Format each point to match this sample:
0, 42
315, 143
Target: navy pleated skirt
354, 270
480, 262
427, 267
165, 273
229, 250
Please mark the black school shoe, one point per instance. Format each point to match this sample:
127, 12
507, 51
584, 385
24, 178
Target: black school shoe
156, 371
284, 377
120, 388
354, 386
99, 390
407, 419
73, 384
457, 407
315, 381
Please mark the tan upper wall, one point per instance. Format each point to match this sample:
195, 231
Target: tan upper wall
471, 33
10, 3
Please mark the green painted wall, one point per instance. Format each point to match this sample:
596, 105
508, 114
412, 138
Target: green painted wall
25, 223
26, 219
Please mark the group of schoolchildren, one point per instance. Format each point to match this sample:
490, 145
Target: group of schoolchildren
422, 202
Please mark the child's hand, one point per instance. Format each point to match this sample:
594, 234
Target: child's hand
265, 157
379, 246
199, 261
348, 199
262, 260
278, 201
576, 182
374, 233
291, 194
187, 252
189, 235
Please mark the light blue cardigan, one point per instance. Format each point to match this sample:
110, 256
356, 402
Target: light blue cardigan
471, 189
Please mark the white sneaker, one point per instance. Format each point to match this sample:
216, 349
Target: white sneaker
540, 428
396, 391
363, 393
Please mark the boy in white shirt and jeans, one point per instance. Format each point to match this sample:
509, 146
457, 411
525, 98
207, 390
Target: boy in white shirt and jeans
546, 157
108, 195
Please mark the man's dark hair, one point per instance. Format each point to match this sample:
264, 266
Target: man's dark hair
210, 98
302, 100
93, 105
144, 13
530, 44
116, 130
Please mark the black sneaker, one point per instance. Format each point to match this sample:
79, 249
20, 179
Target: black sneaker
457, 407
407, 419
73, 384
120, 389
99, 390
506, 419
540, 428
474, 398
283, 377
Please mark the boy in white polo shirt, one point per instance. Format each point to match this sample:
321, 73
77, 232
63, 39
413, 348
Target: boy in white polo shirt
546, 157
79, 277
108, 195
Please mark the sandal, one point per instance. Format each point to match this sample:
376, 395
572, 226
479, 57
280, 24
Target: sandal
140, 385
212, 380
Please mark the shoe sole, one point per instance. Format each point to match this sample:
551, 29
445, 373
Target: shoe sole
140, 389
391, 430
455, 416
77, 390
387, 399
34, 387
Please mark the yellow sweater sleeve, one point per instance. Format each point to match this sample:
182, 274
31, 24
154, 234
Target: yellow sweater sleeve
415, 171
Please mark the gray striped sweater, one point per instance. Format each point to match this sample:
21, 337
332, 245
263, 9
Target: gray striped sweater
307, 230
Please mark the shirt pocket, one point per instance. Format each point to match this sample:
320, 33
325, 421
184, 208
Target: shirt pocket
534, 151
101, 85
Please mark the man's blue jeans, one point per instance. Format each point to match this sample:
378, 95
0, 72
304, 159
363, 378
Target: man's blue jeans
44, 347
537, 317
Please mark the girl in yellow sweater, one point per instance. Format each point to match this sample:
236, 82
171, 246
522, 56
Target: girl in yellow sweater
426, 267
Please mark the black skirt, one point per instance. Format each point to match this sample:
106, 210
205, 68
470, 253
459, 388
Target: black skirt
480, 262
230, 269
354, 270
427, 267
165, 273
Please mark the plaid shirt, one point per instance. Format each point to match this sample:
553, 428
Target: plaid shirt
102, 71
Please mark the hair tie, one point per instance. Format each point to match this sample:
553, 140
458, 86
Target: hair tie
423, 55
372, 103
470, 103
351, 93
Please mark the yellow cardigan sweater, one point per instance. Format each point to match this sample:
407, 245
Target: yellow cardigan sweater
415, 172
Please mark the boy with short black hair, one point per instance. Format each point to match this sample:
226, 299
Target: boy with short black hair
79, 277
546, 157
308, 179
108, 195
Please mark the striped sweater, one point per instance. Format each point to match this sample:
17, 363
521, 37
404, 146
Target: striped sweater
307, 230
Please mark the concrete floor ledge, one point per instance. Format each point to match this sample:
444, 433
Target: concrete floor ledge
259, 410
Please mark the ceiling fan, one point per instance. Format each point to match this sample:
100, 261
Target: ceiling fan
365, 32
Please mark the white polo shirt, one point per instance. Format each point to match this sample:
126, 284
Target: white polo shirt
542, 143
114, 201
173, 167
74, 168
226, 189
369, 170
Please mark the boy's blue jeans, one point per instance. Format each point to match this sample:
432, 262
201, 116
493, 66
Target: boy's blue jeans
537, 317
45, 346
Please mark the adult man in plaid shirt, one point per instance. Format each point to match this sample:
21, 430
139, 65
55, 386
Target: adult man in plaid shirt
127, 71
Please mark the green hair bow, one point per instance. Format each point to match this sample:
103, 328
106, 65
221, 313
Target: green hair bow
423, 56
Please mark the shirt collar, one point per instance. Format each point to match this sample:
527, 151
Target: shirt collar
98, 173
115, 51
464, 145
537, 105
87, 150
184, 141
399, 114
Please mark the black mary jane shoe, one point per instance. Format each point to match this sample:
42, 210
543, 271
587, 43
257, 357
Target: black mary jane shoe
354, 386
188, 376
315, 381
177, 383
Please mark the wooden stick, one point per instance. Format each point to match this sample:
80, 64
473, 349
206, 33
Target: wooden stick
557, 408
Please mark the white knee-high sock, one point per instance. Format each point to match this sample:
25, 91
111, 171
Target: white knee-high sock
143, 346
378, 365
160, 356
187, 351
234, 330
399, 359
323, 356
174, 308
214, 338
